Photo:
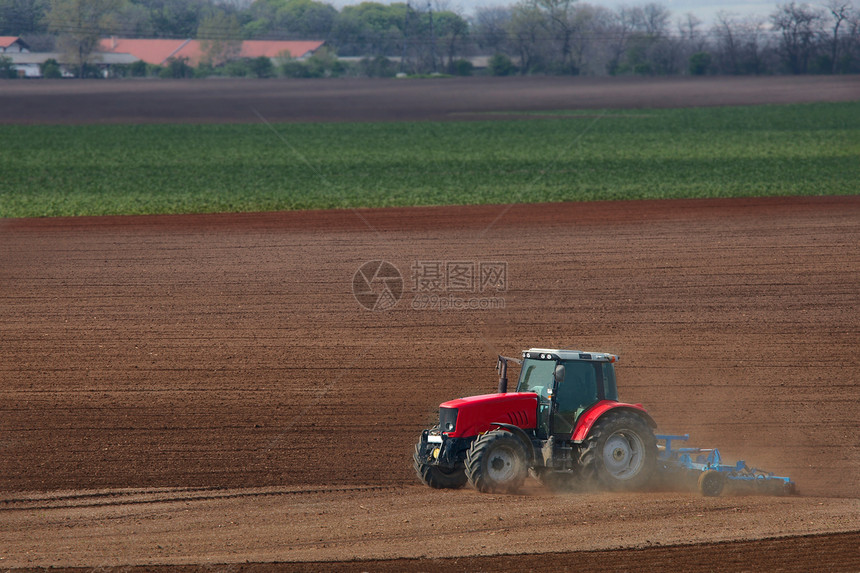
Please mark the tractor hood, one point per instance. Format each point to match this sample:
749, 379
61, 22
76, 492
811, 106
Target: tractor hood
476, 414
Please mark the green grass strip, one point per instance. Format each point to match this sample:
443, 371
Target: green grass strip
809, 149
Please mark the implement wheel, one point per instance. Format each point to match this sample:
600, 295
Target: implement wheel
437, 477
620, 453
711, 483
496, 463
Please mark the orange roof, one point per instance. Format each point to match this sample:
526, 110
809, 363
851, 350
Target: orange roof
158, 51
150, 51
6, 41
272, 48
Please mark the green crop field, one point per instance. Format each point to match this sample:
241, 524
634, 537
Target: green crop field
567, 156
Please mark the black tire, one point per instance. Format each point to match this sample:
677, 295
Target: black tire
497, 463
711, 483
437, 477
620, 452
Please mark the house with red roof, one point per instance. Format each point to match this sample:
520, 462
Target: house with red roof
13, 45
159, 51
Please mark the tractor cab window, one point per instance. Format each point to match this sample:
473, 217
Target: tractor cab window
536, 376
610, 390
578, 391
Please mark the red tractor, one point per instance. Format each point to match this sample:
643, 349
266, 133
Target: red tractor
564, 423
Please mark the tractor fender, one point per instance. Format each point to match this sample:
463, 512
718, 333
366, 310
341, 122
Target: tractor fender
588, 418
524, 438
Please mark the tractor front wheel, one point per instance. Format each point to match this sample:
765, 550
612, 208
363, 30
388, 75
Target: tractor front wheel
497, 463
620, 453
437, 477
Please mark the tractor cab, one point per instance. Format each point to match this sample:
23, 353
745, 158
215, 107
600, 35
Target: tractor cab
567, 383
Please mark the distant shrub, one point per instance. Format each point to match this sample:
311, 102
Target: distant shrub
378, 67
50, 69
137, 69
501, 65
204, 70
462, 68
294, 69
261, 67
7, 71
700, 63
235, 69
177, 68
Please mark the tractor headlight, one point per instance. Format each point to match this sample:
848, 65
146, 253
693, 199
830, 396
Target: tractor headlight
448, 419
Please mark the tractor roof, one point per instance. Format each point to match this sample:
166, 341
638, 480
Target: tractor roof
556, 354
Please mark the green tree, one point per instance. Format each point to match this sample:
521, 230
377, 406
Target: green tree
79, 25
371, 28
22, 16
306, 19
175, 18
133, 20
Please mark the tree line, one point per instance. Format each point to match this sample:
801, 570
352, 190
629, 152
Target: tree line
527, 37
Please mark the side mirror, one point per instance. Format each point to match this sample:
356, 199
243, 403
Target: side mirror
558, 374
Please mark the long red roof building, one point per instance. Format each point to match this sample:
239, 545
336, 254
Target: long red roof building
158, 51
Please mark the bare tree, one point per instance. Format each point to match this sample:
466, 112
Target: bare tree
526, 32
840, 13
689, 30
559, 24
620, 30
490, 28
590, 25
756, 45
725, 31
655, 20
798, 24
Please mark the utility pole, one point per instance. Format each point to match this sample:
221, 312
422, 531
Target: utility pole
432, 37
405, 38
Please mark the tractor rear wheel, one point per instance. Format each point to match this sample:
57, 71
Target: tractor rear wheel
438, 477
497, 463
620, 453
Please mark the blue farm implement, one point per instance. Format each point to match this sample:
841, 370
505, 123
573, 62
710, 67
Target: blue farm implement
703, 468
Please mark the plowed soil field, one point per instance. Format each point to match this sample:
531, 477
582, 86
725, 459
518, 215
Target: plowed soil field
207, 389
206, 393
455, 99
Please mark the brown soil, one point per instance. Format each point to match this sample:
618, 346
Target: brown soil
223, 101
205, 393
206, 389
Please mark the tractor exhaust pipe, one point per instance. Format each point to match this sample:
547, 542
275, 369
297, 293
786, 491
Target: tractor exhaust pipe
502, 367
